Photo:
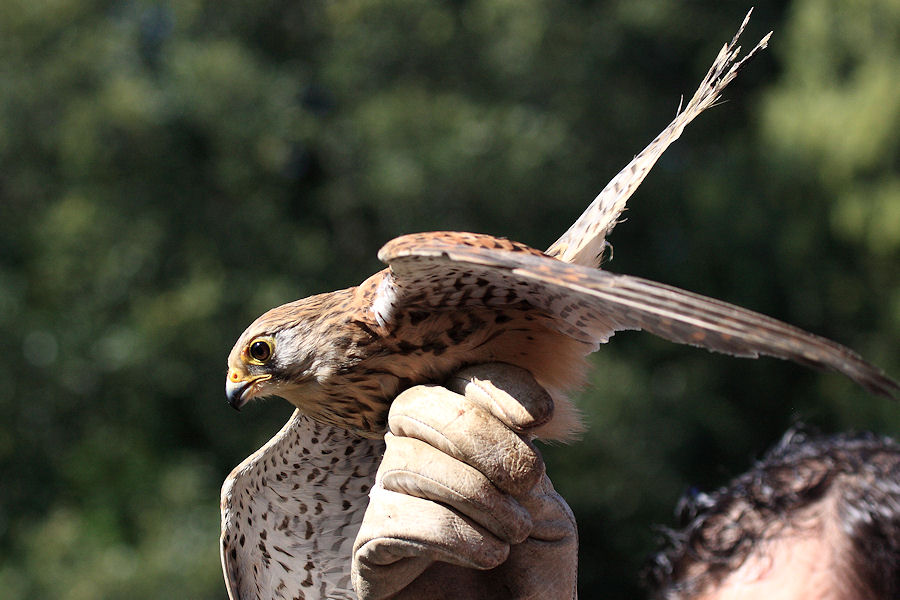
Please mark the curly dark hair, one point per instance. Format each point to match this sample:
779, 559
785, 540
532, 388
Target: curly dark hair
717, 532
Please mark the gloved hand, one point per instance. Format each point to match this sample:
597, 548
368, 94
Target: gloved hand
462, 507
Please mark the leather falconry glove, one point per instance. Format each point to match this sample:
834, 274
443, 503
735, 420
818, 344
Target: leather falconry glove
462, 506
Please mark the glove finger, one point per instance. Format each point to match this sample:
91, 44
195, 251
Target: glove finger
508, 392
397, 527
454, 425
552, 517
402, 536
374, 581
415, 468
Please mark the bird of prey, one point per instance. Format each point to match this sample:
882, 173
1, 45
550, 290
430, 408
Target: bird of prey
291, 510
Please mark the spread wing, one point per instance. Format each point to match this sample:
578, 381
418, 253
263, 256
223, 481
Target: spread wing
291, 511
446, 269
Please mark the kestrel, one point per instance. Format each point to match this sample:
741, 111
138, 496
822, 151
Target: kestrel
291, 510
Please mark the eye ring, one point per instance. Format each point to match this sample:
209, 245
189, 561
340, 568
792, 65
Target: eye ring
260, 350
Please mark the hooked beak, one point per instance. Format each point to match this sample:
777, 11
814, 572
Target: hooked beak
239, 390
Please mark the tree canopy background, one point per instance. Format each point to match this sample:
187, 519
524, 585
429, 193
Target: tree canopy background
172, 169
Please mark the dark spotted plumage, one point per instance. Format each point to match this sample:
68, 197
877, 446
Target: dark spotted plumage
290, 512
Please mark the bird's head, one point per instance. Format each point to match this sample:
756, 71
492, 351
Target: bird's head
285, 353
265, 361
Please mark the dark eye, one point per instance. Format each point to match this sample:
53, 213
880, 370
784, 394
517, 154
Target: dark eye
260, 350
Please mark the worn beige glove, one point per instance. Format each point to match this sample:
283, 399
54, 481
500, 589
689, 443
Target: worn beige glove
462, 507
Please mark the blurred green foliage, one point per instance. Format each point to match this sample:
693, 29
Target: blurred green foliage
172, 169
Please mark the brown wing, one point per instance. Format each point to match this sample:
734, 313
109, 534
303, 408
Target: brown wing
445, 270
583, 243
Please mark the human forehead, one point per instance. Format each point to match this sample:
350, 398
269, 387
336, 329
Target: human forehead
799, 564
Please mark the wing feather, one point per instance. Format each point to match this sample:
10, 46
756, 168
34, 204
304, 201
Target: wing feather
309, 478
583, 243
591, 305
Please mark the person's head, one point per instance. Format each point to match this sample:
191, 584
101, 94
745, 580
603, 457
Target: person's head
817, 518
